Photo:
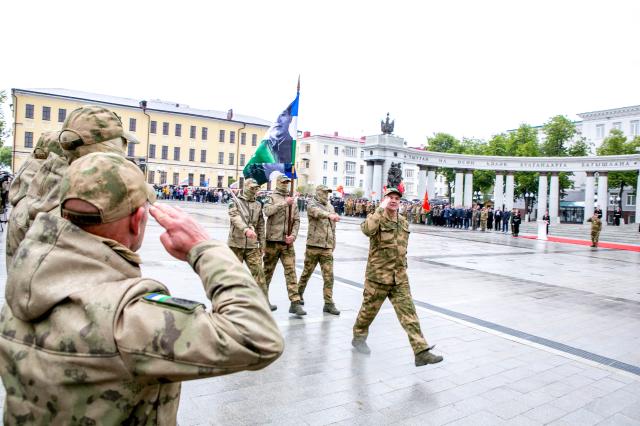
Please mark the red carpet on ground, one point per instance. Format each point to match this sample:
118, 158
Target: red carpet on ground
601, 244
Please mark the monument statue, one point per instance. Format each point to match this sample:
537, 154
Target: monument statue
394, 177
387, 127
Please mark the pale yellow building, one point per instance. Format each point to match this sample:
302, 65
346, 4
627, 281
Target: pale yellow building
179, 144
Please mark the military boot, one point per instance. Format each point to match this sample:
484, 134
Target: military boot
272, 307
426, 357
296, 309
330, 308
301, 300
360, 343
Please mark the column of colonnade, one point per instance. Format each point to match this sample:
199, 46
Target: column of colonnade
498, 191
603, 194
589, 195
638, 199
457, 189
468, 189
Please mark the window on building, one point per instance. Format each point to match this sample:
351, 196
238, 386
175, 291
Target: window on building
351, 151
360, 183
409, 173
192, 132
242, 159
221, 158
335, 182
599, 131
178, 129
176, 178
163, 178
324, 180
176, 153
617, 125
350, 166
28, 139
325, 164
631, 200
190, 179
241, 182
336, 150
409, 187
325, 149
231, 158
350, 181
205, 133
62, 114
46, 113
635, 128
230, 180
151, 176
220, 178
153, 127
221, 136
254, 139
203, 155
307, 148
165, 152
131, 150
203, 180
243, 138
362, 169
232, 137
335, 166
192, 154
165, 128
152, 151
306, 164
28, 111
132, 124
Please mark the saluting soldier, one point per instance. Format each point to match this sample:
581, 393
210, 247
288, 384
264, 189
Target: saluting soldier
321, 241
386, 277
246, 233
596, 226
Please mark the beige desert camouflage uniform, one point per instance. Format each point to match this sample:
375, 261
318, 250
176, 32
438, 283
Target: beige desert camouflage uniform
596, 226
386, 276
84, 339
47, 156
246, 249
321, 241
277, 211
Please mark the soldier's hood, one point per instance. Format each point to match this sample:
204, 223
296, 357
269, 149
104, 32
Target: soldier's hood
44, 195
56, 260
22, 180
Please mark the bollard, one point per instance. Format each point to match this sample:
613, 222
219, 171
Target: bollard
542, 230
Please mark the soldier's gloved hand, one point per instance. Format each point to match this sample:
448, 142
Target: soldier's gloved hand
289, 200
289, 239
182, 231
334, 217
249, 233
384, 203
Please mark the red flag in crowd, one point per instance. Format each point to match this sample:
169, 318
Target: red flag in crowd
340, 189
425, 203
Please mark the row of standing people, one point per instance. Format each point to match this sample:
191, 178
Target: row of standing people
477, 218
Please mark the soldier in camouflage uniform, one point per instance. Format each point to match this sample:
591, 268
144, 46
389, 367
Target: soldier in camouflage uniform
321, 241
86, 129
386, 277
278, 209
246, 233
85, 340
596, 226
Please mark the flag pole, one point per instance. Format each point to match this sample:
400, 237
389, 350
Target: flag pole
293, 166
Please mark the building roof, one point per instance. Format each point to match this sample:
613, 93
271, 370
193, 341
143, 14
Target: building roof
608, 113
152, 105
336, 137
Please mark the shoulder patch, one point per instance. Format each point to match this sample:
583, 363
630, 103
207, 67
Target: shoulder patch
172, 302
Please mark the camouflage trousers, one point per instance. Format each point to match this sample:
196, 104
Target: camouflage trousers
253, 259
287, 255
595, 236
400, 297
313, 256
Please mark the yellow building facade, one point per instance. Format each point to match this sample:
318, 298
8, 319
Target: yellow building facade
179, 145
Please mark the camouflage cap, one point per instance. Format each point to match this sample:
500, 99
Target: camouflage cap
392, 191
48, 142
109, 182
92, 124
283, 178
323, 188
250, 183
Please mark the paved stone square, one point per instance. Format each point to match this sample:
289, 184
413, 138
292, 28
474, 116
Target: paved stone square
532, 333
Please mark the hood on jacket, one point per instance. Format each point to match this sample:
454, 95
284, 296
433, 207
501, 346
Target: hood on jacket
55, 260
22, 180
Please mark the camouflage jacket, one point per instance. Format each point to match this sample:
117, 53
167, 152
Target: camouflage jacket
388, 241
238, 225
42, 195
596, 224
322, 230
22, 180
277, 211
83, 340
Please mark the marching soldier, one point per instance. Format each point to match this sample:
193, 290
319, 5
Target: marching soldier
246, 233
596, 226
386, 277
278, 209
321, 241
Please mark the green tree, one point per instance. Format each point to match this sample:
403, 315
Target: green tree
580, 148
307, 189
5, 151
444, 142
357, 193
559, 131
617, 144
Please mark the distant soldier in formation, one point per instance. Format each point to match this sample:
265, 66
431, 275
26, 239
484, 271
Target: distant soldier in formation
279, 208
321, 242
484, 216
596, 226
386, 277
515, 222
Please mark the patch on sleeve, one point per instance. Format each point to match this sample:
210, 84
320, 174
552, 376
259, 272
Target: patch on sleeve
172, 302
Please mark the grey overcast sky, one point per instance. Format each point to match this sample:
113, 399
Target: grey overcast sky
470, 68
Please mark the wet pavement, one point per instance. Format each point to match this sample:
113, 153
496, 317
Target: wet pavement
532, 333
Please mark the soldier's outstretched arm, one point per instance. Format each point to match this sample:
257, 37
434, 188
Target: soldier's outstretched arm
272, 207
316, 212
372, 223
167, 339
